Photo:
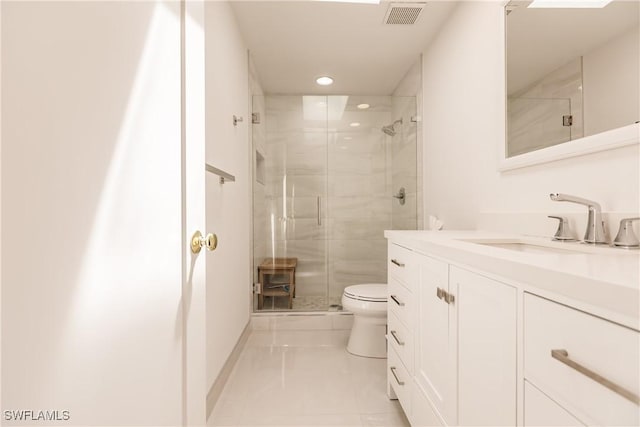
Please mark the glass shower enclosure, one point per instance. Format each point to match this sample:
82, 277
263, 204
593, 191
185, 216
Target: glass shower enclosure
331, 173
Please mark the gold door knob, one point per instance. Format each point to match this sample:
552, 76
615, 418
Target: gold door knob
198, 241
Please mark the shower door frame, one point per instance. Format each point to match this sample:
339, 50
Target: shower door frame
338, 135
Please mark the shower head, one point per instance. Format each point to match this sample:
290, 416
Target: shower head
391, 129
388, 130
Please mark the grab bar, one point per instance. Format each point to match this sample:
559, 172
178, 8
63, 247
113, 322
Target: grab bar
224, 176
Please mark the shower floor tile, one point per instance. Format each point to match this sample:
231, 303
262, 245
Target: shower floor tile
302, 303
283, 380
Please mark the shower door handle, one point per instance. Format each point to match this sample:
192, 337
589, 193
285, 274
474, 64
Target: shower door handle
319, 217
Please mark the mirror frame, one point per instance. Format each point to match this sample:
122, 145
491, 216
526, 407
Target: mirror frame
608, 140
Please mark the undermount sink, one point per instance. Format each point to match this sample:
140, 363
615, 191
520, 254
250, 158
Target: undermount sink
530, 248
542, 247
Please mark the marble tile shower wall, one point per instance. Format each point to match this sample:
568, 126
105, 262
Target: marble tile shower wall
311, 161
404, 165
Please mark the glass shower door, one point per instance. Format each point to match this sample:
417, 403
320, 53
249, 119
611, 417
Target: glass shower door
327, 174
289, 202
536, 123
372, 155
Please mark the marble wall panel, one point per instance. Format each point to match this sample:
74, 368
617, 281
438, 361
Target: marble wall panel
343, 185
362, 207
357, 229
347, 273
357, 250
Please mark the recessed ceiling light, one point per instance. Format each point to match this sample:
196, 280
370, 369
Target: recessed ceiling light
363, 106
324, 81
566, 4
354, 124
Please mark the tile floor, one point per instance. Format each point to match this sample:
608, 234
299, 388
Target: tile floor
305, 378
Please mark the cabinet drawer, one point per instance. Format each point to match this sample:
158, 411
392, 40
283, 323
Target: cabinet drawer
399, 379
423, 412
402, 265
599, 346
401, 339
400, 302
540, 410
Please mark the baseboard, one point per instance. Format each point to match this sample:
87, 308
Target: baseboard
218, 385
341, 320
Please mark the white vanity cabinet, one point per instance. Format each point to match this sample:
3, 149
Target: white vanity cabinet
502, 339
588, 366
463, 370
403, 279
465, 346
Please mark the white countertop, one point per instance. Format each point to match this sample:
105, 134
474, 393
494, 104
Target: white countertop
605, 281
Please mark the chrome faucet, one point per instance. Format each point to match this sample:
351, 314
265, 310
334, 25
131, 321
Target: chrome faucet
626, 238
595, 226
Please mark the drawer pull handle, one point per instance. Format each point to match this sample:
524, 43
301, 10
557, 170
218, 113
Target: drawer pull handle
395, 337
440, 293
393, 371
396, 262
397, 301
563, 356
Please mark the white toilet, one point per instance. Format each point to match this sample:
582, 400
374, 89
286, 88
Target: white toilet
368, 303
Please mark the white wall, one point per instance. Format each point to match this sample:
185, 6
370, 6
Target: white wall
91, 211
228, 206
463, 92
611, 84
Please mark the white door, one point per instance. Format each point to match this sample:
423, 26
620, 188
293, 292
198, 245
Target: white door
97, 279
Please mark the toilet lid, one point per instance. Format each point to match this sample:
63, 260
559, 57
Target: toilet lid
367, 292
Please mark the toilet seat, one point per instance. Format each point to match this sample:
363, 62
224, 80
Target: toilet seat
367, 292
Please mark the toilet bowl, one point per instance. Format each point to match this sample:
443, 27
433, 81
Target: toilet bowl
368, 303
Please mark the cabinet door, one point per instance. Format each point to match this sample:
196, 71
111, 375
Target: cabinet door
486, 317
540, 410
434, 350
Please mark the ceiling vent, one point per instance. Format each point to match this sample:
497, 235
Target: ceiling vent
403, 13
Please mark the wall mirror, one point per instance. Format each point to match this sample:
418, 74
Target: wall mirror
572, 80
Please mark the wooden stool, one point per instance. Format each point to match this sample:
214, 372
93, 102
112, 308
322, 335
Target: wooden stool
277, 266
